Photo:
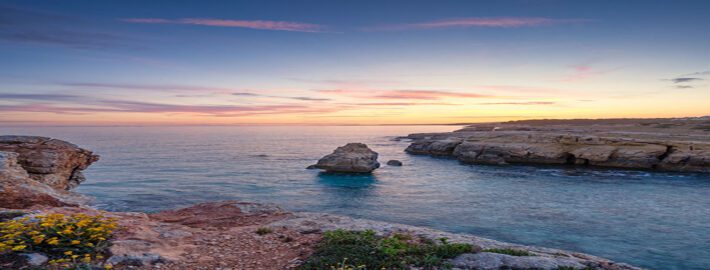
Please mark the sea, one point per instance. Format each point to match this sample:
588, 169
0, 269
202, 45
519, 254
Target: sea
656, 220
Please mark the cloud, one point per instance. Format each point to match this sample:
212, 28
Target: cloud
684, 86
403, 94
583, 72
254, 24
21, 25
699, 73
126, 106
404, 104
154, 87
684, 79
520, 103
45, 97
247, 94
499, 22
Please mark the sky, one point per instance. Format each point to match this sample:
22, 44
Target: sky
350, 62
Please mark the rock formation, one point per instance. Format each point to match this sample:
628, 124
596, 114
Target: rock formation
54, 162
569, 145
223, 235
350, 158
40, 171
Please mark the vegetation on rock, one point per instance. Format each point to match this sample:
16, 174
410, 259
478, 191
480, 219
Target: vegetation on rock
509, 251
342, 249
76, 241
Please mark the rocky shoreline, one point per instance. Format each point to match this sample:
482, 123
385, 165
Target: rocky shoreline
36, 174
680, 145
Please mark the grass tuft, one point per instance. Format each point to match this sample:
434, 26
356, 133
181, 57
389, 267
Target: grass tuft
263, 231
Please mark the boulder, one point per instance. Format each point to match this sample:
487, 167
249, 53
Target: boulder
56, 163
394, 162
350, 158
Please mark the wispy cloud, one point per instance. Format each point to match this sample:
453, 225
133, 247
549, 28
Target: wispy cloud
684, 79
582, 72
403, 94
520, 103
251, 24
154, 87
496, 22
126, 106
699, 73
248, 94
20, 25
44, 97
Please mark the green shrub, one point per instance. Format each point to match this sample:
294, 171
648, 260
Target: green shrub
364, 249
263, 231
509, 251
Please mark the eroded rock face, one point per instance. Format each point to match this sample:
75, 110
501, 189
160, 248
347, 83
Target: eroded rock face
545, 147
350, 158
19, 191
50, 161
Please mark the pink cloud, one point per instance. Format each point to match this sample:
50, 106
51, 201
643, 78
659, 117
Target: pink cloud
252, 24
403, 94
583, 72
500, 22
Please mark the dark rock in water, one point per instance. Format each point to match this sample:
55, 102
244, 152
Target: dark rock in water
351, 158
312, 167
394, 162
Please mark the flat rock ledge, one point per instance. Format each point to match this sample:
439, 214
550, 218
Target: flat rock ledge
570, 145
223, 235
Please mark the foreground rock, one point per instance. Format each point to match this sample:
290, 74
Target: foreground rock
631, 145
56, 163
224, 235
18, 190
350, 158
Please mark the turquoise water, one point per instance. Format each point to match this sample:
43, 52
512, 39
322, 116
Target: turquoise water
654, 220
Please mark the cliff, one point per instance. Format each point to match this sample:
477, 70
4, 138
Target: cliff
627, 145
40, 171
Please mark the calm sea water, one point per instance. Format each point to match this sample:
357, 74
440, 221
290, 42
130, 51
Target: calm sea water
654, 220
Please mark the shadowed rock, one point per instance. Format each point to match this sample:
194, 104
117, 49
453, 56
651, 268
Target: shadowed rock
350, 158
54, 162
394, 162
40, 170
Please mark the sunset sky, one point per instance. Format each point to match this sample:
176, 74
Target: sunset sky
350, 62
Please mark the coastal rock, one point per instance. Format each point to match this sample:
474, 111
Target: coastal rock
394, 162
434, 147
222, 235
351, 158
495, 261
18, 190
56, 163
552, 146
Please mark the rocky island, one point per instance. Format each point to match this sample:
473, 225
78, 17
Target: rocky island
36, 174
681, 145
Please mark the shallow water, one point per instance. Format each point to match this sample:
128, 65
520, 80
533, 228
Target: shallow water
654, 220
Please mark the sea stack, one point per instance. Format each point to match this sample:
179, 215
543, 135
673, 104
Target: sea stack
350, 158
